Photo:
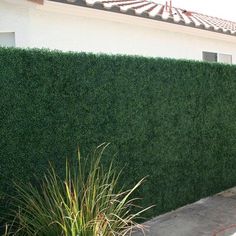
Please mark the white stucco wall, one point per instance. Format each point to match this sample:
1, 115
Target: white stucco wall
57, 26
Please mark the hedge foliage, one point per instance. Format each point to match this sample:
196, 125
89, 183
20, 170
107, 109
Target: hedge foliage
171, 120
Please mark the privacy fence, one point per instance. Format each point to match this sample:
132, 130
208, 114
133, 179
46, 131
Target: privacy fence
171, 120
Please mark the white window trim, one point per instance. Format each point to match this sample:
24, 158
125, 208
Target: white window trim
219, 54
225, 54
12, 42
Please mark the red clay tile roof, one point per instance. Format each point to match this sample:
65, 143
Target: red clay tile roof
166, 13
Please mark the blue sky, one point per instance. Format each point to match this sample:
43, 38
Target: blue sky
223, 9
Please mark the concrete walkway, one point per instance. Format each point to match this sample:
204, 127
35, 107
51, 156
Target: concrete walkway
213, 216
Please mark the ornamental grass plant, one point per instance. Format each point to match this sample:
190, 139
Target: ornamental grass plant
85, 203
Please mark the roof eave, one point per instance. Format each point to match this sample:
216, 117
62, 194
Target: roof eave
158, 18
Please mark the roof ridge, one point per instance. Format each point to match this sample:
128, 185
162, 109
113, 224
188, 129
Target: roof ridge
195, 12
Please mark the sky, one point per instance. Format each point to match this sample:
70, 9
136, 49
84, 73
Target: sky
225, 9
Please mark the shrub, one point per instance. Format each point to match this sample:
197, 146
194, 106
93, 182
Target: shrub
84, 204
173, 120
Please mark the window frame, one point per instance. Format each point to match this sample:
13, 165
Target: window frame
218, 55
225, 54
204, 56
11, 42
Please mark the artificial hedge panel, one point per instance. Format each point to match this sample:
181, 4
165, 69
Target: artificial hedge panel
171, 120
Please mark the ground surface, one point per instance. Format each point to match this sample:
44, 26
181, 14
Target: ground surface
213, 216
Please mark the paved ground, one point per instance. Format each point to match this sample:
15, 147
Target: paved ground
213, 216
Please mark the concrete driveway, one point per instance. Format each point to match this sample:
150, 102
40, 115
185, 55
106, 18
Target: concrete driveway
213, 216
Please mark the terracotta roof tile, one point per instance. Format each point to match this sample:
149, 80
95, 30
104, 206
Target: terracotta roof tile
159, 12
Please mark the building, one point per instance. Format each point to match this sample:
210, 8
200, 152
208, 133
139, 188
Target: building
134, 27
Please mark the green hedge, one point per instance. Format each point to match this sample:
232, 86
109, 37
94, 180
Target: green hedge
172, 120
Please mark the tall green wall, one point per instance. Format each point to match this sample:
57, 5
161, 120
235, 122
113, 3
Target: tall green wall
171, 120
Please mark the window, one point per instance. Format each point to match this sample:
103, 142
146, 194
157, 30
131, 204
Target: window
217, 57
209, 56
7, 39
225, 58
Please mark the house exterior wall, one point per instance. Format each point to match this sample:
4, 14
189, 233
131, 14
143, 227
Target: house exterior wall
72, 28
